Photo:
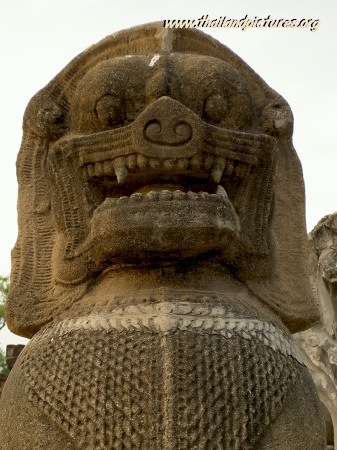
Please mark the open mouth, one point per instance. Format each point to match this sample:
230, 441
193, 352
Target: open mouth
161, 207
140, 178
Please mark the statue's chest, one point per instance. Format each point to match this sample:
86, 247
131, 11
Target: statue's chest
161, 377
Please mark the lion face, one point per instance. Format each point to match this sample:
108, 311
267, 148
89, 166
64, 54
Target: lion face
153, 147
159, 164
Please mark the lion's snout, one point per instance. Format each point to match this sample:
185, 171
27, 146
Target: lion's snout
168, 128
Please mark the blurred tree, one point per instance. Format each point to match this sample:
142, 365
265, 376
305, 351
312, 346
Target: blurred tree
3, 365
4, 285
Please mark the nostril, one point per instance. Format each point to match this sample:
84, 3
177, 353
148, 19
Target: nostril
152, 128
183, 130
167, 133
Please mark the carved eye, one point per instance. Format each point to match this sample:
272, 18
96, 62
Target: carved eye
109, 110
215, 108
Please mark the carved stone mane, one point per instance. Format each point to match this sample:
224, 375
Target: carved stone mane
160, 262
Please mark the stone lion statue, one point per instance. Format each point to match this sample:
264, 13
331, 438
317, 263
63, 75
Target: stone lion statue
160, 265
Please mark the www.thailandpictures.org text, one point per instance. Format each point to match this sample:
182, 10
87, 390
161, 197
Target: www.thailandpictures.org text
244, 23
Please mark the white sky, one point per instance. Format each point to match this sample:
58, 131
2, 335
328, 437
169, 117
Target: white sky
39, 37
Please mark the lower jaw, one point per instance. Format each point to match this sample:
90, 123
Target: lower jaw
136, 232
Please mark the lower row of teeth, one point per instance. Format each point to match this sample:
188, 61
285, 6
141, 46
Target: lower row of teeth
121, 166
165, 195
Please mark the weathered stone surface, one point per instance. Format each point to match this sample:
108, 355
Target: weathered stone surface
318, 345
156, 268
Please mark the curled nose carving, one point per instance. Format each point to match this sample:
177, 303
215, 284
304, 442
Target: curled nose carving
168, 131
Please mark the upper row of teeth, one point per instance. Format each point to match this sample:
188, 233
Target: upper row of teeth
121, 166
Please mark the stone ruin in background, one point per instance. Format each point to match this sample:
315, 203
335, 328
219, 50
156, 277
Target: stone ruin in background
3, 378
161, 261
318, 345
12, 354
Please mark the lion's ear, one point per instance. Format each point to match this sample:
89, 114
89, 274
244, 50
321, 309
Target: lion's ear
45, 117
277, 119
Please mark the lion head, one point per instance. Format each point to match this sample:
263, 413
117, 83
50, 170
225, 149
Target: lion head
150, 147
